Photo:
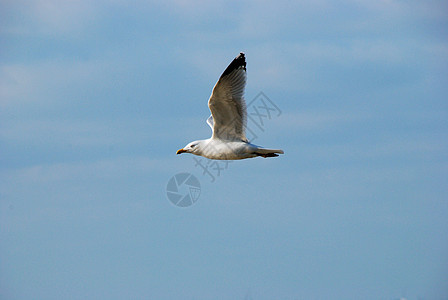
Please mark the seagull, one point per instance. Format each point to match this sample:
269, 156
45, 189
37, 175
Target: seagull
228, 120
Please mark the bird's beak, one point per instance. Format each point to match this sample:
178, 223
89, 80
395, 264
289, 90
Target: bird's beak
180, 151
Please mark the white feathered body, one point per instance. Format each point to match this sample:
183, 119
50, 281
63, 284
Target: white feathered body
232, 150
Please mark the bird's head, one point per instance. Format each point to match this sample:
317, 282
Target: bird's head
192, 148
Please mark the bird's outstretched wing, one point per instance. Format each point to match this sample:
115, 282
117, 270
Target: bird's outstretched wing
228, 119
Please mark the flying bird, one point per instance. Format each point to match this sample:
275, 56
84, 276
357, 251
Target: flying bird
228, 120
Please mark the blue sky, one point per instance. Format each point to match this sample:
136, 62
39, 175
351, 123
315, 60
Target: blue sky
97, 96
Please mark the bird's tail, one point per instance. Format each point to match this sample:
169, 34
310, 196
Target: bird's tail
268, 152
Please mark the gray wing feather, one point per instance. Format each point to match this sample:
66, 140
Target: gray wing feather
227, 102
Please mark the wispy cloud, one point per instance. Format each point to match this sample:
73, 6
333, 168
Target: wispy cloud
48, 17
42, 82
87, 170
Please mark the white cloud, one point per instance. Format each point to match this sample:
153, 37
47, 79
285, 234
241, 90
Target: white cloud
50, 17
39, 82
318, 120
113, 168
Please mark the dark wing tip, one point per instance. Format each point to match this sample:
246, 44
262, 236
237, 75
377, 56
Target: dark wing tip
238, 62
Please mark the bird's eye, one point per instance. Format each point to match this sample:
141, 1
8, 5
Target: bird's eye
192, 146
